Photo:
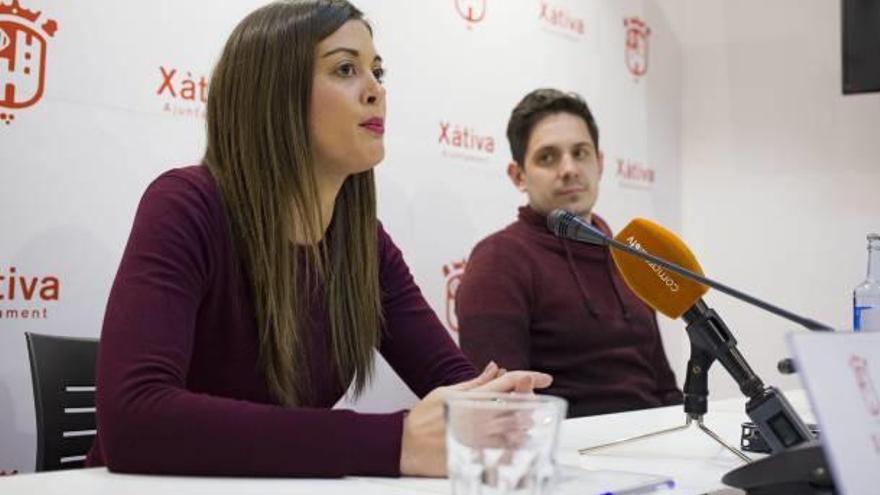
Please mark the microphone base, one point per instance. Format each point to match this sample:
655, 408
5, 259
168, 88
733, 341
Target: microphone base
800, 470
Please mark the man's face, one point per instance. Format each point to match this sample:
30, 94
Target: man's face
562, 166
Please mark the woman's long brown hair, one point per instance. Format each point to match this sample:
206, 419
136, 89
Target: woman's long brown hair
259, 152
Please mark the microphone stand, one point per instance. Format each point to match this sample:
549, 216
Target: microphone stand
696, 393
711, 340
696, 401
797, 463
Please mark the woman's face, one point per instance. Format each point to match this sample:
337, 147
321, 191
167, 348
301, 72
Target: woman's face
347, 117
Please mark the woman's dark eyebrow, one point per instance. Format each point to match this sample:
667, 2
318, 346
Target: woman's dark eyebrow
350, 51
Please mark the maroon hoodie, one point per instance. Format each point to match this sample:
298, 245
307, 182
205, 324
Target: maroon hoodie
530, 300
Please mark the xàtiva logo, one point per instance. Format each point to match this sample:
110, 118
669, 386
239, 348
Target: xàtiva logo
183, 93
22, 58
25, 296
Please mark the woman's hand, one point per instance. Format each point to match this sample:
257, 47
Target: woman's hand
423, 446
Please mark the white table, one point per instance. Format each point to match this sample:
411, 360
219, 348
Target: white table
691, 458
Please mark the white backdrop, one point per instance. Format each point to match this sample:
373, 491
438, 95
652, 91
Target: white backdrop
123, 86
781, 171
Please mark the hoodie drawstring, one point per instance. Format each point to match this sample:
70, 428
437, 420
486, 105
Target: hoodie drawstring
612, 269
577, 279
583, 288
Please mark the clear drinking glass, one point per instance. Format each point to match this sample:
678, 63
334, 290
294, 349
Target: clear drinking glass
502, 443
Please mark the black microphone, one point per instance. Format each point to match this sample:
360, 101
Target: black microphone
570, 226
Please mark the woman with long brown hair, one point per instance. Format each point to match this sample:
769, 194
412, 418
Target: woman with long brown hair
256, 286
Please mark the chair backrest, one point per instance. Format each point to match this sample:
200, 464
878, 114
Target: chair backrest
63, 374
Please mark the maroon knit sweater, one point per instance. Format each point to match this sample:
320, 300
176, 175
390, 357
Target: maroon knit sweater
530, 300
179, 387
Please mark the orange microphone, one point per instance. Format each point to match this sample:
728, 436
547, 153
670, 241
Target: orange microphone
663, 272
666, 276
661, 288
676, 296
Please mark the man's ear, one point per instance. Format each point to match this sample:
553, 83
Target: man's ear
517, 176
601, 163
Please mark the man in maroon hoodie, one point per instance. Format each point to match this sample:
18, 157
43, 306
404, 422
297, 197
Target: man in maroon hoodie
530, 300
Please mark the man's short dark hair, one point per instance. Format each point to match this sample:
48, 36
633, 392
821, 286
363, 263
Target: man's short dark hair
537, 105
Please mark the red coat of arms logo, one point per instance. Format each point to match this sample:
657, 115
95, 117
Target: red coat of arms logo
453, 273
636, 49
866, 386
22, 57
472, 11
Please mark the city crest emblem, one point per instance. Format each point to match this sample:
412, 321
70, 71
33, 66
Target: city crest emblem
453, 273
23, 43
636, 46
472, 11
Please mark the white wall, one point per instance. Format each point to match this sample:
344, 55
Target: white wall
73, 166
769, 173
780, 171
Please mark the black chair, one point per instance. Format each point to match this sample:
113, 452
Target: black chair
63, 373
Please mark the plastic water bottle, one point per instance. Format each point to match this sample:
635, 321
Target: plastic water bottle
866, 297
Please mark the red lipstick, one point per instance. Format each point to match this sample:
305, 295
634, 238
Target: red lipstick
374, 125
